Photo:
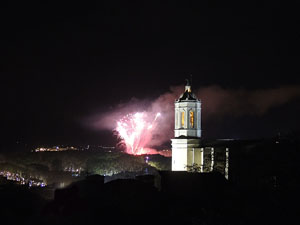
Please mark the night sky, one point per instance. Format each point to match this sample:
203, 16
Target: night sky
62, 63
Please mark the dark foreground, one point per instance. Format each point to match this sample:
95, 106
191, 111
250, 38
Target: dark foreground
171, 198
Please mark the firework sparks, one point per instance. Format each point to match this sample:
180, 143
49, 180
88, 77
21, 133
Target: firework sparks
135, 132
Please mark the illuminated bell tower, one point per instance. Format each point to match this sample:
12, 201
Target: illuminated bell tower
186, 144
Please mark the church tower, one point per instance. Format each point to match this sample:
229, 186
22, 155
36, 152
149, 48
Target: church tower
186, 149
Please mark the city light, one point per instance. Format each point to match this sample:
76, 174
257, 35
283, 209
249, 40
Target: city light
31, 181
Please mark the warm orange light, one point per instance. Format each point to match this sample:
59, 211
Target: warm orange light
192, 119
182, 119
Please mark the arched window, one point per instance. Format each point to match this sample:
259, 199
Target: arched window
182, 119
191, 119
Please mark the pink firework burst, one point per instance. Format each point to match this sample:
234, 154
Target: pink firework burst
135, 132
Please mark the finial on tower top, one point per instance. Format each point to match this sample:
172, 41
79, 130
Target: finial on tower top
187, 82
188, 86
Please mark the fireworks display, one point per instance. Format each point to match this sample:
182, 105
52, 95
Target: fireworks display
135, 132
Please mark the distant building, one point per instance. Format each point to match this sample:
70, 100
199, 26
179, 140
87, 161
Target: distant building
187, 151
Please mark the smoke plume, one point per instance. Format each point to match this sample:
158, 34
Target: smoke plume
216, 102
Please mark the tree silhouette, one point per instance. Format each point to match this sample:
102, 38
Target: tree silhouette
194, 168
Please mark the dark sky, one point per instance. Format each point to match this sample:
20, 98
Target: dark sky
62, 62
